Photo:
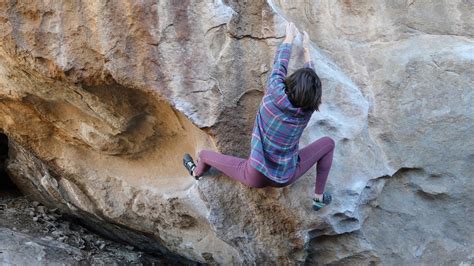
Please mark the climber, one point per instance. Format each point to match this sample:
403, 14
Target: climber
284, 112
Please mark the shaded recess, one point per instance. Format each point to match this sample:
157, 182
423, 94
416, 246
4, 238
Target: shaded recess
7, 187
152, 131
109, 128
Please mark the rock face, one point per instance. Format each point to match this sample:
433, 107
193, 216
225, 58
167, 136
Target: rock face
100, 100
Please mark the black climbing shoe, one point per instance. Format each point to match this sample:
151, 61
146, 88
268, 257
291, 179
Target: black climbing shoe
189, 164
317, 205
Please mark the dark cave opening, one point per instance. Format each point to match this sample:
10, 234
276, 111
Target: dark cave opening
7, 187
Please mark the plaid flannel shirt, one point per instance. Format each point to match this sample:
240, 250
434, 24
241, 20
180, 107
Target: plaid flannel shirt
278, 125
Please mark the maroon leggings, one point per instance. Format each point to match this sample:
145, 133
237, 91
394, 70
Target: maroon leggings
320, 151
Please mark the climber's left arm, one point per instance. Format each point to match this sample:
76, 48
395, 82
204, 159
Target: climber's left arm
282, 59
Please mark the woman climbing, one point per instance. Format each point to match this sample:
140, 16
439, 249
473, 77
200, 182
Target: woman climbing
284, 112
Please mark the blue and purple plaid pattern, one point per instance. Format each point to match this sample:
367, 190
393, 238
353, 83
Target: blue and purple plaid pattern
278, 125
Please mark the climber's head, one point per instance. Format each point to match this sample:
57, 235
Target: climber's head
303, 88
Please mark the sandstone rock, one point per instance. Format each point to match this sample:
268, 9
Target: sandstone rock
101, 100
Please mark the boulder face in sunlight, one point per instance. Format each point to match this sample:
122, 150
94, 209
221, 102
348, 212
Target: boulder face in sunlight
99, 102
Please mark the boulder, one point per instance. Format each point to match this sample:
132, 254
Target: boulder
101, 100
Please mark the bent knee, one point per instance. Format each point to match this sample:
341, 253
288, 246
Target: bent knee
203, 153
329, 141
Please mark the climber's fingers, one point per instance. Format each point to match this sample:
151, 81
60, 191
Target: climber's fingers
305, 39
291, 30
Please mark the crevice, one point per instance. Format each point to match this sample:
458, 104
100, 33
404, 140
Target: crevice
214, 27
403, 170
7, 187
248, 36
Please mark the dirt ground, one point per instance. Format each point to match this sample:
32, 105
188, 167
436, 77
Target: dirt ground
27, 227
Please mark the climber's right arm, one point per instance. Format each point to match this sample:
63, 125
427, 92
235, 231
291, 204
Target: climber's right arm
306, 51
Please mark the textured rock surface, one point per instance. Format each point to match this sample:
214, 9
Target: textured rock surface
100, 101
31, 234
23, 249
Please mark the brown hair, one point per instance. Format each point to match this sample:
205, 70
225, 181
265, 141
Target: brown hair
303, 88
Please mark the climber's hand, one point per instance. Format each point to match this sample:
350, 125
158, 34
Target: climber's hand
305, 40
306, 52
291, 32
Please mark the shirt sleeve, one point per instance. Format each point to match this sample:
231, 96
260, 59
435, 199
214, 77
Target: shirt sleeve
280, 66
309, 64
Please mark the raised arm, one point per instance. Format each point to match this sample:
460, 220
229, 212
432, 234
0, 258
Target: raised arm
307, 55
282, 58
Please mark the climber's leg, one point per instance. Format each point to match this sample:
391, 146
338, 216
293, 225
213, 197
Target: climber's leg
320, 152
234, 167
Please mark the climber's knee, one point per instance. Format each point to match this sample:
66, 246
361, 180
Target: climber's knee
329, 141
203, 153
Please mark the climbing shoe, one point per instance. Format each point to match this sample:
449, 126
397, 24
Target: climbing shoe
317, 205
189, 164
